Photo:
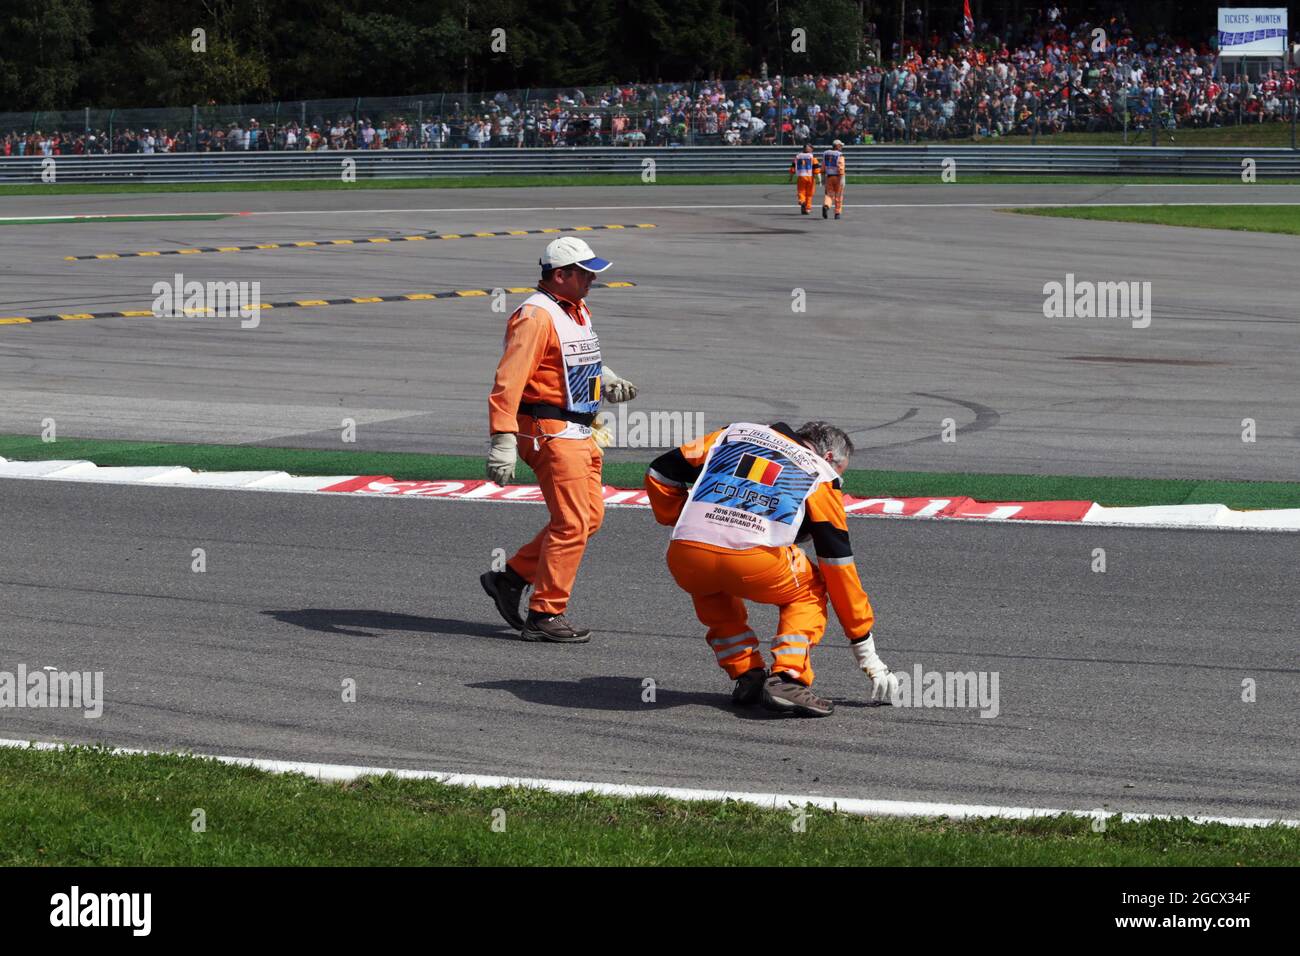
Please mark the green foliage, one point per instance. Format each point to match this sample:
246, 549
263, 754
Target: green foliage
173, 73
833, 30
66, 54
41, 45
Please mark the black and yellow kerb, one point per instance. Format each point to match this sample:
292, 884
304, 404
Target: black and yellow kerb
376, 240
294, 304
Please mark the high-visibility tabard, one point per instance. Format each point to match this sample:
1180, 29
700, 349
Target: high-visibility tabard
580, 349
751, 490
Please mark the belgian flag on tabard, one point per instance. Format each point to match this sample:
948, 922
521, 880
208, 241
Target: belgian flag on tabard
757, 469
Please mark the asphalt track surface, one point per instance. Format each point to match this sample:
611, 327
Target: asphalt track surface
1119, 690
923, 304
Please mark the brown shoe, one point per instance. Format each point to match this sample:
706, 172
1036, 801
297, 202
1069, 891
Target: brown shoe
786, 695
553, 628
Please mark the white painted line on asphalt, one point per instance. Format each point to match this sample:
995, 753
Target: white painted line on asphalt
854, 806
770, 205
693, 206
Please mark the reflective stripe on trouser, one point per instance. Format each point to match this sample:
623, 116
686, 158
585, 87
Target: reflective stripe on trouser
735, 653
807, 190
568, 471
834, 192
719, 583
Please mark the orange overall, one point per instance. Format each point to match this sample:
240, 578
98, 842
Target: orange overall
532, 371
720, 578
833, 165
805, 168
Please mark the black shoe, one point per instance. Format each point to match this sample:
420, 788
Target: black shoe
786, 695
553, 628
804, 210
507, 589
837, 215
749, 687
826, 211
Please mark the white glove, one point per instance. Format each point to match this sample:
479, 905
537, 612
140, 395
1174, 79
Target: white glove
884, 685
614, 389
501, 459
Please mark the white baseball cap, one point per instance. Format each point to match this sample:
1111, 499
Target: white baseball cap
572, 251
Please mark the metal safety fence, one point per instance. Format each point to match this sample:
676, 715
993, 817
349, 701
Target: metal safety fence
638, 163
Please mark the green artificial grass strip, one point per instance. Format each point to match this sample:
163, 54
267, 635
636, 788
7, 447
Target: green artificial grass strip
1263, 218
1241, 495
87, 807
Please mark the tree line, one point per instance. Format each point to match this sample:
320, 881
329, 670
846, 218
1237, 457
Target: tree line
64, 54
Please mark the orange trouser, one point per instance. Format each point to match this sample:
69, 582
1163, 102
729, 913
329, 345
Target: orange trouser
568, 471
807, 190
719, 582
834, 192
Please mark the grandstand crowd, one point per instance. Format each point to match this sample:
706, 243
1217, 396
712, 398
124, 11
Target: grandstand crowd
1056, 78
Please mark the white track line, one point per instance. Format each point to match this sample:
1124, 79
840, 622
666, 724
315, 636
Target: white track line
778, 205
772, 801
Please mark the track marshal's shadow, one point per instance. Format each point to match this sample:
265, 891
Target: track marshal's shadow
613, 694
359, 622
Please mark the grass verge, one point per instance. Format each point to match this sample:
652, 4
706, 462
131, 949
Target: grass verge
1283, 219
775, 181
859, 482
83, 806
